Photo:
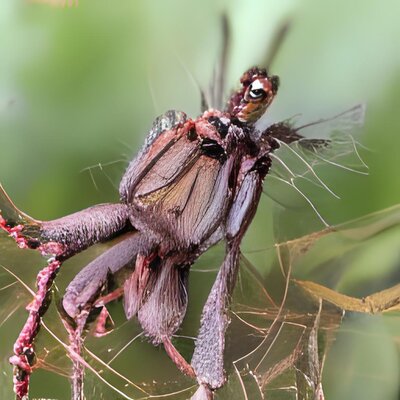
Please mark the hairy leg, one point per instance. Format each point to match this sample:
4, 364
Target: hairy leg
208, 356
164, 307
85, 288
59, 240
80, 230
157, 292
65, 236
82, 296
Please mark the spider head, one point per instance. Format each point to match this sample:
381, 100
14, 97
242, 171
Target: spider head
258, 90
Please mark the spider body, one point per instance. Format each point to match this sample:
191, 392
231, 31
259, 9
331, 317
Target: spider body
183, 202
194, 183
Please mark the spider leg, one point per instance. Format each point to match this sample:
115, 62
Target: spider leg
58, 239
65, 236
157, 293
177, 358
208, 356
104, 322
80, 230
82, 295
163, 309
85, 288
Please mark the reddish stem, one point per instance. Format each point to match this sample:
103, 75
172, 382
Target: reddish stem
104, 319
114, 295
24, 355
14, 232
177, 358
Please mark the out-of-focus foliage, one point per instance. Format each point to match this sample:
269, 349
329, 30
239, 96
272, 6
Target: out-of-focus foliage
80, 86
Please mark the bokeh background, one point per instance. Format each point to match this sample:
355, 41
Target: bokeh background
80, 86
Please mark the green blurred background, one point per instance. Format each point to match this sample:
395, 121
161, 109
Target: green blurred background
80, 87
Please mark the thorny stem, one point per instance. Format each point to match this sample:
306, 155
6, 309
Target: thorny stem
24, 354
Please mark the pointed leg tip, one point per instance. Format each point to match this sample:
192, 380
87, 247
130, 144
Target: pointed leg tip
178, 359
203, 393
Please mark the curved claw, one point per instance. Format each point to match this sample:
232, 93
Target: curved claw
21, 227
25, 230
11, 213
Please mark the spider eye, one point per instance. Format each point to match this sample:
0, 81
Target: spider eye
256, 93
256, 90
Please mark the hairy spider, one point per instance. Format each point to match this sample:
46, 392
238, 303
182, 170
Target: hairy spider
194, 183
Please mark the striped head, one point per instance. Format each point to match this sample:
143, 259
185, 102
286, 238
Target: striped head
258, 90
